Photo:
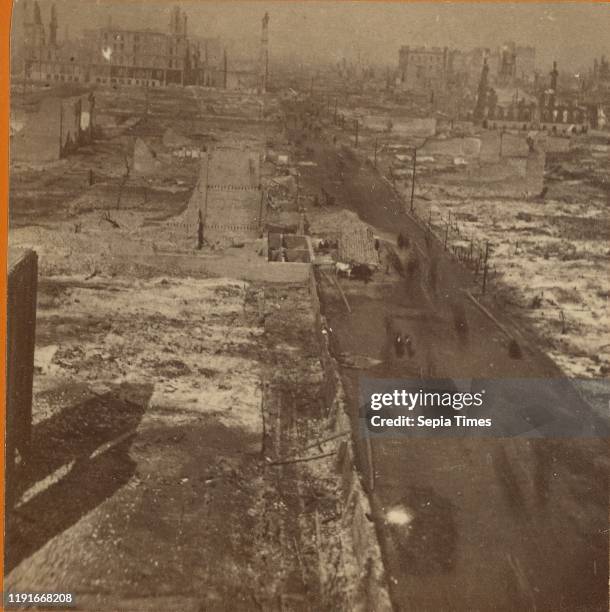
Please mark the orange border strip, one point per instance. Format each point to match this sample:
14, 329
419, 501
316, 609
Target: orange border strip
5, 30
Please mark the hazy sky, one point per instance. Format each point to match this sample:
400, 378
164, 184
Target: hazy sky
572, 33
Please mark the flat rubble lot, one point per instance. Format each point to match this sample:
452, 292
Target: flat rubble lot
166, 402
148, 479
547, 255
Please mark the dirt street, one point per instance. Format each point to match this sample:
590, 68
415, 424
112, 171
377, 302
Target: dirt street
540, 538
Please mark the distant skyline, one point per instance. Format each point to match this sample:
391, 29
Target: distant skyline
312, 30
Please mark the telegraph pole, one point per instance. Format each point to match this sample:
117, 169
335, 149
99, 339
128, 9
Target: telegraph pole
413, 178
485, 266
202, 218
356, 132
375, 152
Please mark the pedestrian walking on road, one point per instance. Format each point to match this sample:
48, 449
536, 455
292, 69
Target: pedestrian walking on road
399, 346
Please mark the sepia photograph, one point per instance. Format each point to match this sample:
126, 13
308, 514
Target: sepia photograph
307, 306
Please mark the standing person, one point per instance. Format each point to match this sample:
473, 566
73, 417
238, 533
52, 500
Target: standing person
399, 345
409, 345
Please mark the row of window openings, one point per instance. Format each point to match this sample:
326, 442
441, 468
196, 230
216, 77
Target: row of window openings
136, 38
121, 61
58, 77
121, 47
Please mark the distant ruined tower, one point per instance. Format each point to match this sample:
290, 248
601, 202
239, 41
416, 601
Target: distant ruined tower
34, 39
554, 75
264, 57
553, 89
53, 27
33, 28
479, 111
178, 22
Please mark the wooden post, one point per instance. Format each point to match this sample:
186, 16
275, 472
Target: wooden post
202, 218
485, 266
261, 211
61, 128
375, 152
335, 117
357, 123
199, 231
413, 179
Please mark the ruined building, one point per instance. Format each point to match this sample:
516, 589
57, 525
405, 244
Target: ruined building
483, 93
509, 65
114, 55
523, 111
598, 79
425, 69
507, 71
53, 129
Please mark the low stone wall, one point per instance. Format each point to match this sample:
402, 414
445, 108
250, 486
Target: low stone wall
370, 591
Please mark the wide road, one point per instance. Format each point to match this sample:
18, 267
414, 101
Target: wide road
465, 523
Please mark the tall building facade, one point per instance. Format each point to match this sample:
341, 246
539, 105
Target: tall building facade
425, 69
115, 55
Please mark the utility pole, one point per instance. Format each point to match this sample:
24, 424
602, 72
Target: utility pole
224, 62
335, 117
202, 218
199, 231
485, 266
413, 178
375, 152
61, 129
357, 123
261, 209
